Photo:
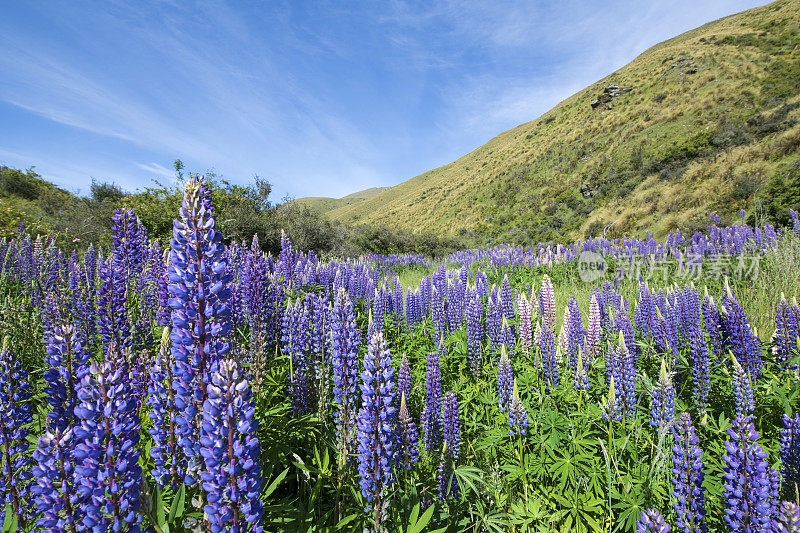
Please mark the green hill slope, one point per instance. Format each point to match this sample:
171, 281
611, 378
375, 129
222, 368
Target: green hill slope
704, 122
324, 204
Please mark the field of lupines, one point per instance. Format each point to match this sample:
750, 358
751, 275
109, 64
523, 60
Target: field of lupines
215, 388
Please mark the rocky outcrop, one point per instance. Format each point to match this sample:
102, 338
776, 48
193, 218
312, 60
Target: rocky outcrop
609, 93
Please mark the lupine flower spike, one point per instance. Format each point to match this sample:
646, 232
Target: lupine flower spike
230, 450
517, 414
375, 427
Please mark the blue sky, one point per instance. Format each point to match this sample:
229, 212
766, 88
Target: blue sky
320, 98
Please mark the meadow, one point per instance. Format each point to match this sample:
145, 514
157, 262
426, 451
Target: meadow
631, 384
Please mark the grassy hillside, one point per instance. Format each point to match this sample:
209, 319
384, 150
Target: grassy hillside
708, 121
324, 204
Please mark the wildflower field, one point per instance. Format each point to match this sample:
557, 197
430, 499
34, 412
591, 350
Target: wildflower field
207, 386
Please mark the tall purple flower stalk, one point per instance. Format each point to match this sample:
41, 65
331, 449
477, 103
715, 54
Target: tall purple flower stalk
547, 303
375, 427
67, 360
107, 458
739, 337
451, 424
747, 484
169, 462
54, 488
14, 431
344, 355
517, 414
448, 488
505, 380
687, 469
701, 367
626, 377
577, 334
475, 333
407, 437
594, 330
742, 390
786, 331
525, 324
230, 450
547, 346
662, 400
790, 452
506, 335
198, 280
712, 322
112, 314
431, 421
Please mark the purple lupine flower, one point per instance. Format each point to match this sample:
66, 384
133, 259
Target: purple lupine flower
547, 347
14, 458
788, 518
130, 242
790, 451
112, 316
451, 424
662, 400
701, 367
230, 451
622, 323
407, 438
517, 414
563, 340
448, 487
475, 333
505, 380
547, 303
747, 483
67, 360
651, 521
627, 375
712, 322
688, 477
507, 299
375, 427
525, 324
506, 335
742, 390
774, 492
107, 458
594, 330
170, 465
786, 331
738, 337
431, 421
644, 315
493, 324
576, 334
404, 378
54, 487
198, 280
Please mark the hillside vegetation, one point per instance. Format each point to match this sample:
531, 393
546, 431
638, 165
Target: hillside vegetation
324, 204
705, 122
